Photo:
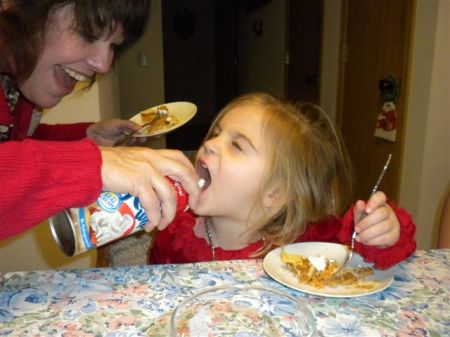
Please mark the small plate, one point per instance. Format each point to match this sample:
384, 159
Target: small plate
278, 270
182, 111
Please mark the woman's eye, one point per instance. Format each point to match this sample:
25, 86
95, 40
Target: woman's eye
89, 38
116, 46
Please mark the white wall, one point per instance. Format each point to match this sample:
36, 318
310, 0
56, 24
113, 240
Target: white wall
141, 86
330, 56
426, 168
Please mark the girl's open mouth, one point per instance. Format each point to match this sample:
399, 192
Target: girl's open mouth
203, 173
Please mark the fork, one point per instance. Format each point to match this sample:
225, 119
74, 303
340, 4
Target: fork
363, 215
145, 127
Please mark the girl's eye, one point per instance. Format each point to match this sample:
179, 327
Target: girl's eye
213, 134
236, 145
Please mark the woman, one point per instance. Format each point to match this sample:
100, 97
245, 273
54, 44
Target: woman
47, 47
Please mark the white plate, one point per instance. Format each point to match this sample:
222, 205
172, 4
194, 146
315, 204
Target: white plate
278, 270
182, 111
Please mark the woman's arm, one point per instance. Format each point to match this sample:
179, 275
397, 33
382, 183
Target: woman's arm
40, 179
103, 133
61, 132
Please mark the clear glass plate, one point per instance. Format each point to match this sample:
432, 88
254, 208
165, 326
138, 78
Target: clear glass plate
249, 311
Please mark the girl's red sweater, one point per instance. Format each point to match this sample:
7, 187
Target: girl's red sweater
178, 243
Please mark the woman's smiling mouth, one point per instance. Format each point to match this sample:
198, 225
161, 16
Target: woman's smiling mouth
75, 75
69, 77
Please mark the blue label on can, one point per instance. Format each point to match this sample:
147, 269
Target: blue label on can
109, 201
84, 230
112, 216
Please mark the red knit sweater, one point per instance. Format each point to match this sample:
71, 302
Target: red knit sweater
40, 175
178, 243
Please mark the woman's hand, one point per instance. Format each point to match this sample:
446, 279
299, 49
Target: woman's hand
107, 132
141, 172
380, 227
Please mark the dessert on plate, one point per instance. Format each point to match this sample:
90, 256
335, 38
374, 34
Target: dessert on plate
167, 119
319, 272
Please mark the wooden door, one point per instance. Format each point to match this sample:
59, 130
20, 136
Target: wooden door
376, 43
304, 42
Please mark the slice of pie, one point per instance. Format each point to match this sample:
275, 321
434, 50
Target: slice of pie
167, 119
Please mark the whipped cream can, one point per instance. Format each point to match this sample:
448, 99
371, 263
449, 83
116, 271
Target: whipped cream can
111, 217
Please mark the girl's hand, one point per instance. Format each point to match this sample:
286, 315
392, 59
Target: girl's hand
107, 132
380, 227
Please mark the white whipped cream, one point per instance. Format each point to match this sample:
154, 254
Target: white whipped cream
162, 112
169, 120
319, 262
201, 182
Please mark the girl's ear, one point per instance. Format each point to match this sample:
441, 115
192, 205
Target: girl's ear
273, 198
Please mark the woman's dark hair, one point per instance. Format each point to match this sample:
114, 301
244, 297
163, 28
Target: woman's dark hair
22, 27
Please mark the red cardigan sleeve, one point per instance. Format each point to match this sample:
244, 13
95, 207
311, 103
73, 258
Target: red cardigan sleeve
61, 132
42, 178
384, 258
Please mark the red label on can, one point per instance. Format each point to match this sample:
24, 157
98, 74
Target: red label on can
182, 196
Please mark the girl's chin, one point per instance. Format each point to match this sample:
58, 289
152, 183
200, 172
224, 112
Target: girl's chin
198, 210
201, 210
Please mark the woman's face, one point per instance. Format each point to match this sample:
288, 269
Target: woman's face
233, 158
66, 59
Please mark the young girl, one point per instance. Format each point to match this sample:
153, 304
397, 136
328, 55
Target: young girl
276, 174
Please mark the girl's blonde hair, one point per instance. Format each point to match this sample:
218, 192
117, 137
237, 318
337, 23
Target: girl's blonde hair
306, 160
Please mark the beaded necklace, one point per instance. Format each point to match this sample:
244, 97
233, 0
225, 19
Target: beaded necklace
210, 241
12, 97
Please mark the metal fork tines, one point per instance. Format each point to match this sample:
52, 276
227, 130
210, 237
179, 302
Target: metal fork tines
144, 128
363, 215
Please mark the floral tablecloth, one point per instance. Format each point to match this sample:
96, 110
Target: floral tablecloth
138, 300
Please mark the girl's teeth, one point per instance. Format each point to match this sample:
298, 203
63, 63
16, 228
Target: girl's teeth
75, 75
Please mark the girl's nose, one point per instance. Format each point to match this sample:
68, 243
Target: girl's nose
210, 146
101, 59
